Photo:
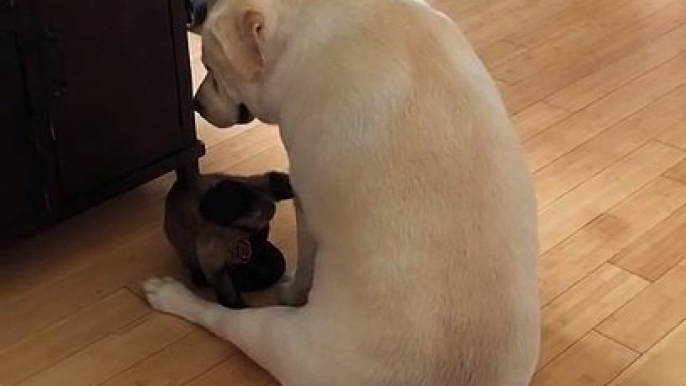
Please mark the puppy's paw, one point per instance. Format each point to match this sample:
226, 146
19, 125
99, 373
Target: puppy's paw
169, 296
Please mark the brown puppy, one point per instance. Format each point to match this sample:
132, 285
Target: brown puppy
219, 226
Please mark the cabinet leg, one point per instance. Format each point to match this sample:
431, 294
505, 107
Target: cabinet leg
188, 172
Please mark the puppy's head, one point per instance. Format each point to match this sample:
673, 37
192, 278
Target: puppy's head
233, 43
235, 204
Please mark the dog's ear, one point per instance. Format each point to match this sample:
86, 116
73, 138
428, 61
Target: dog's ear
240, 33
280, 186
227, 202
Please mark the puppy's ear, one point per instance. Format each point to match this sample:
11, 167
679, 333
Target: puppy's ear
240, 33
226, 202
280, 186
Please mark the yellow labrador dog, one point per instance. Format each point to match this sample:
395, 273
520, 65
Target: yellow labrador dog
416, 216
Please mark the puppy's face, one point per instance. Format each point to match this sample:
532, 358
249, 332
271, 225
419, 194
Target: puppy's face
232, 54
238, 206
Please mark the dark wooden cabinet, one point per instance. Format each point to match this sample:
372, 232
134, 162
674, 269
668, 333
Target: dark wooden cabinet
20, 198
95, 99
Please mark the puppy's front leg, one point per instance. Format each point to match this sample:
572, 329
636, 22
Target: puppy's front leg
192, 264
256, 331
295, 291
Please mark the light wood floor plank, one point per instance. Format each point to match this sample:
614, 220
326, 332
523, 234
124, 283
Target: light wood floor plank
678, 172
470, 8
594, 156
663, 366
548, 80
676, 136
47, 305
578, 16
588, 201
575, 41
660, 250
237, 371
178, 363
570, 317
645, 320
616, 74
593, 361
271, 158
109, 357
578, 256
498, 52
511, 16
44, 349
81, 241
538, 118
240, 148
622, 103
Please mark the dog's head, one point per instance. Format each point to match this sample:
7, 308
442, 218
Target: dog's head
234, 41
234, 204
245, 203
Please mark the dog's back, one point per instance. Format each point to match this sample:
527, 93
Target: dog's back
420, 202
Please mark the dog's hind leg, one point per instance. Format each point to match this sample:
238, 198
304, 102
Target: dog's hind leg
261, 333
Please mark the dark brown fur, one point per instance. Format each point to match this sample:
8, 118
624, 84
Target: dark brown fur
206, 247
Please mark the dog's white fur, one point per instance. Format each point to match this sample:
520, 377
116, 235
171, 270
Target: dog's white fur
412, 197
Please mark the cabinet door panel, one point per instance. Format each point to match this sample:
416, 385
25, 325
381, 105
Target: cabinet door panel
18, 198
121, 110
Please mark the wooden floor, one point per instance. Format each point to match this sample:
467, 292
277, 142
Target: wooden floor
598, 91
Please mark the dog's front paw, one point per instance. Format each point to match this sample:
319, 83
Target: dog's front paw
291, 295
169, 296
287, 278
